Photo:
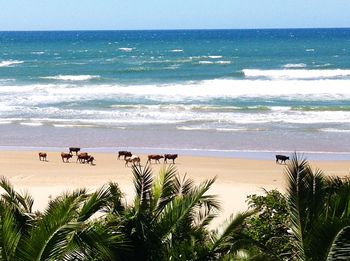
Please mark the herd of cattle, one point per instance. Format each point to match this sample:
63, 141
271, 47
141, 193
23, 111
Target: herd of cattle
84, 157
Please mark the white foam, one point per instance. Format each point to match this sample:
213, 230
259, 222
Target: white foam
2, 122
176, 51
34, 124
36, 94
37, 53
125, 49
187, 128
73, 125
294, 65
296, 74
335, 130
215, 56
10, 63
72, 77
223, 62
205, 62
309, 50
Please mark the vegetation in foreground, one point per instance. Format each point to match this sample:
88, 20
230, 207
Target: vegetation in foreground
170, 217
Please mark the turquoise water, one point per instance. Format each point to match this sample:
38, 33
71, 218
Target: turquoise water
207, 89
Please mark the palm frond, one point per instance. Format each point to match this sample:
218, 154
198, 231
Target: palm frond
22, 203
183, 185
49, 237
163, 188
100, 241
297, 191
10, 235
340, 249
143, 184
115, 205
182, 206
231, 232
94, 202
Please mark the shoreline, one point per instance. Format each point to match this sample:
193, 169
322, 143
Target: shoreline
215, 153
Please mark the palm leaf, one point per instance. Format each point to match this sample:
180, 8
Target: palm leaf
178, 209
10, 235
227, 238
95, 202
143, 185
23, 203
340, 249
163, 189
49, 238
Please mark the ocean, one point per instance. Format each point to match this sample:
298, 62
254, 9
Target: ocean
202, 90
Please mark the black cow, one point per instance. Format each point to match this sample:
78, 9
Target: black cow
281, 158
74, 149
170, 157
124, 153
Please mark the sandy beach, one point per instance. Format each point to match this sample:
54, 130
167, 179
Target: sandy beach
236, 178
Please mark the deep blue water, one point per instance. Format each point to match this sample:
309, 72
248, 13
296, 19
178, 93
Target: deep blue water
293, 83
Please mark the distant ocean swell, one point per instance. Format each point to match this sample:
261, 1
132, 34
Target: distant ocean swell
225, 104
215, 89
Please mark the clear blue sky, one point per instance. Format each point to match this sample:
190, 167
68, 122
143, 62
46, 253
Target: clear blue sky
171, 14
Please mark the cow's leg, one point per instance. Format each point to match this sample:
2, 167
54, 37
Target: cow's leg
173, 161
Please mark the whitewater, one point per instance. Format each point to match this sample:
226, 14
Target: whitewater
208, 90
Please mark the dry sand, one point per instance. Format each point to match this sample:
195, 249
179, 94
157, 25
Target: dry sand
236, 178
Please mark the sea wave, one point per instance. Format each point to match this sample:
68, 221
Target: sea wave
125, 49
296, 74
72, 77
335, 130
33, 94
294, 65
10, 63
205, 62
176, 51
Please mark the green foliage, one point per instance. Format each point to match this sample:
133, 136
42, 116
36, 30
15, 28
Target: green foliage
270, 225
170, 217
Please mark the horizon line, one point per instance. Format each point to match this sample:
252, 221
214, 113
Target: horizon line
179, 29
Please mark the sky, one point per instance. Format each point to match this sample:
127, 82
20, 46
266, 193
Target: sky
171, 14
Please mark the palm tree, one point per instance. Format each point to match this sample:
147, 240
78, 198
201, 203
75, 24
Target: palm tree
319, 209
64, 231
170, 217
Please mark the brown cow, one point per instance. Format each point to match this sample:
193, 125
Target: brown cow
135, 160
170, 157
156, 158
42, 156
90, 160
124, 153
82, 157
66, 156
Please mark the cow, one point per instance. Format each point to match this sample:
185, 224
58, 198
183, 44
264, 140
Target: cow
170, 157
74, 149
135, 160
82, 157
156, 158
124, 153
90, 160
281, 158
66, 156
42, 156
